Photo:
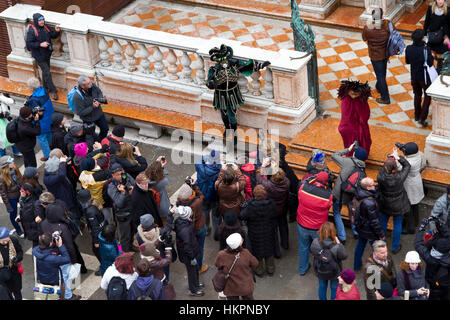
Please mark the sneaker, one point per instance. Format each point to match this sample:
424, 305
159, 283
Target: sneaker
12, 232
221, 296
381, 101
199, 293
201, 285
19, 154
203, 269
22, 236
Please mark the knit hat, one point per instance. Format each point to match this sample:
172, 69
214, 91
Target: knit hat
184, 211
56, 152
213, 157
75, 128
52, 165
119, 131
318, 156
146, 221
30, 172
234, 240
83, 195
5, 161
185, 192
57, 118
386, 290
418, 35
412, 257
410, 148
116, 167
148, 250
348, 276
87, 164
230, 218
81, 149
25, 112
4, 233
361, 154
322, 176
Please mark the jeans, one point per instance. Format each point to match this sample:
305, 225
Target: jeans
44, 141
14, 150
65, 274
47, 76
13, 215
359, 251
420, 109
397, 229
103, 125
340, 229
207, 207
305, 238
201, 235
380, 68
323, 286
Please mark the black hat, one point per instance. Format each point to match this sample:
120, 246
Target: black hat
87, 164
418, 35
116, 167
57, 118
230, 218
83, 195
224, 52
410, 148
119, 131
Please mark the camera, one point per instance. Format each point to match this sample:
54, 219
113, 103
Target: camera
69, 159
56, 235
36, 110
5, 115
188, 181
124, 179
399, 145
356, 145
89, 128
101, 100
134, 144
163, 159
166, 238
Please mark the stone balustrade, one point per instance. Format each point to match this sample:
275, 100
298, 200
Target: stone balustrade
164, 70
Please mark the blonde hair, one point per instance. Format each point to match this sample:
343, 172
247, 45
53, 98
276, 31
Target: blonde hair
6, 175
33, 83
126, 151
433, 7
97, 204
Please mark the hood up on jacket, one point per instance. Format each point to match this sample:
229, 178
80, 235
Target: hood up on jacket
248, 167
362, 193
144, 282
36, 18
55, 213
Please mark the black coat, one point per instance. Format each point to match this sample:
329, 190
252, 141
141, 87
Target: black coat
58, 184
28, 219
224, 231
132, 169
433, 23
258, 215
370, 226
84, 105
95, 220
34, 42
143, 203
15, 281
187, 244
27, 131
414, 55
58, 134
393, 199
71, 140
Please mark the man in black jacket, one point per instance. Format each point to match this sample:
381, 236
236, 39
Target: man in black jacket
28, 128
77, 135
27, 217
58, 132
368, 224
39, 42
88, 106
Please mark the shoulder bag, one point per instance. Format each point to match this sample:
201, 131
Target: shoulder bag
220, 279
430, 70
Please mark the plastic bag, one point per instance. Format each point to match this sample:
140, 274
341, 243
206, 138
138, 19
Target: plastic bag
74, 271
4, 143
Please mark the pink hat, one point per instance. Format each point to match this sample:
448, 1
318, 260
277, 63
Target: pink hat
81, 149
348, 276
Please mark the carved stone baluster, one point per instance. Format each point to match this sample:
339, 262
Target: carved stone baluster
129, 55
65, 46
118, 59
256, 83
172, 68
268, 86
186, 73
200, 74
104, 53
143, 53
159, 65
243, 83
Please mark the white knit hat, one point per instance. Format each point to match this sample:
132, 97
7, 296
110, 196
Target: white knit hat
184, 211
412, 257
234, 240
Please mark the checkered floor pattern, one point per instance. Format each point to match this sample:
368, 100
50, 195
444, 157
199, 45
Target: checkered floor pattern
338, 58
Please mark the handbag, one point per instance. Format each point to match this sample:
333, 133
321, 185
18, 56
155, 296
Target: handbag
436, 37
431, 70
220, 279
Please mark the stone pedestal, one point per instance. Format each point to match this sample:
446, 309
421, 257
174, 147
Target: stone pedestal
392, 10
412, 5
437, 147
317, 9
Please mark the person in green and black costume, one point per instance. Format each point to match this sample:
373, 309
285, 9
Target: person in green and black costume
223, 78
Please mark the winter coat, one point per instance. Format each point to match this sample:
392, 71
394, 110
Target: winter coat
144, 203
224, 231
41, 99
240, 282
27, 218
112, 272
370, 224
84, 105
207, 175
15, 281
122, 202
34, 42
187, 244
337, 250
148, 237
56, 221
258, 215
9, 192
413, 183
195, 203
93, 181
48, 262
416, 281
414, 55
158, 264
433, 23
114, 145
132, 169
160, 186
393, 198
58, 184
353, 294
314, 203
230, 196
248, 169
71, 140
108, 253
441, 210
278, 192
142, 284
377, 40
95, 220
368, 271
290, 174
346, 165
27, 131
58, 134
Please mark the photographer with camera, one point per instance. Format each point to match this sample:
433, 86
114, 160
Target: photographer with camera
11, 255
88, 106
28, 128
436, 254
40, 102
120, 190
5, 118
441, 210
79, 134
130, 158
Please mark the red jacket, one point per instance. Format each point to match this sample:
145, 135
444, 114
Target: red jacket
248, 168
314, 203
353, 294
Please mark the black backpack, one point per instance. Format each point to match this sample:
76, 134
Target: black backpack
108, 201
117, 289
350, 184
143, 295
12, 133
326, 265
252, 176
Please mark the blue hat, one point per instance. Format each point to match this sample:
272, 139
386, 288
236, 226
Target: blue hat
87, 164
4, 233
319, 157
361, 154
213, 158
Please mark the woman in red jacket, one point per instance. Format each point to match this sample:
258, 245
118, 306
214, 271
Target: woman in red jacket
347, 289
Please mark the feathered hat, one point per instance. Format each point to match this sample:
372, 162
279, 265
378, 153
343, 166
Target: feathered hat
354, 85
224, 52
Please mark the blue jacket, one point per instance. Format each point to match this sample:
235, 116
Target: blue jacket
60, 186
108, 253
48, 262
143, 283
206, 177
40, 98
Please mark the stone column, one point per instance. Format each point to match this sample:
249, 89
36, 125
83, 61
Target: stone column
437, 144
318, 9
392, 10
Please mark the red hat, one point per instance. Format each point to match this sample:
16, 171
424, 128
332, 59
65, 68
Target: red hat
322, 176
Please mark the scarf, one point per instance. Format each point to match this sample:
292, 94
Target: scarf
384, 263
438, 11
436, 254
12, 254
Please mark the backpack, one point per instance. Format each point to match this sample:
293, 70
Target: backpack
354, 212
252, 176
70, 97
35, 32
350, 184
12, 133
117, 289
108, 201
395, 45
326, 265
156, 196
143, 295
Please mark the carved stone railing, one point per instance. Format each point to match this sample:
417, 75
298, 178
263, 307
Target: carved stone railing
164, 70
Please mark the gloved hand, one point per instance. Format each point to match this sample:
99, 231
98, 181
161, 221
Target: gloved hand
424, 224
211, 84
193, 262
14, 260
261, 65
